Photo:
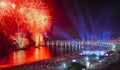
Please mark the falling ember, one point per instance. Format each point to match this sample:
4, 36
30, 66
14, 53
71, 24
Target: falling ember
19, 16
21, 41
39, 39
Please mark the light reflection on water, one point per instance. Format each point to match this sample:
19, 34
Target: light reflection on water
25, 56
35, 54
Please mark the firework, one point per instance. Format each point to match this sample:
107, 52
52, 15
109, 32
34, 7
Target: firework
19, 16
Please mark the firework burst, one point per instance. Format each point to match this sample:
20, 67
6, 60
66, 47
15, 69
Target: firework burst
18, 16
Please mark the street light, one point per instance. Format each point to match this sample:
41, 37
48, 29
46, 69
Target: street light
73, 60
97, 57
100, 64
86, 58
64, 66
87, 64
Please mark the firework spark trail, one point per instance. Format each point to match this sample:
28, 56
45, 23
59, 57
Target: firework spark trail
18, 16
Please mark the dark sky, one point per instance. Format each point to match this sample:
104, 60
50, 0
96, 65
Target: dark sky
62, 21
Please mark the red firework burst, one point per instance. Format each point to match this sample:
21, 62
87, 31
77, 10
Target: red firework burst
22, 15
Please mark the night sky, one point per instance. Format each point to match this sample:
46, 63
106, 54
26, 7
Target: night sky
90, 17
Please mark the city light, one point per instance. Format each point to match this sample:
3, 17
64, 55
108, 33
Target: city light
64, 65
87, 64
97, 53
73, 60
97, 57
87, 58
